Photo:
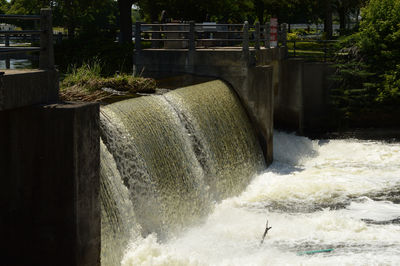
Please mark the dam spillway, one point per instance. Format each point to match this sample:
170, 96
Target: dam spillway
318, 194
172, 156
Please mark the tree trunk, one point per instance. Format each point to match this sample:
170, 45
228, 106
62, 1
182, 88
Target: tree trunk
328, 20
125, 14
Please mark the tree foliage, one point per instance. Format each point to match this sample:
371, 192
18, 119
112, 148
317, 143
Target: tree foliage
368, 69
87, 16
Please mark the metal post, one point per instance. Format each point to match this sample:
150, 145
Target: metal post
267, 35
191, 37
284, 34
257, 37
138, 37
46, 60
246, 36
7, 44
155, 35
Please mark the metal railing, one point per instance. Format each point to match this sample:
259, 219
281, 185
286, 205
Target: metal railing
194, 36
316, 50
46, 50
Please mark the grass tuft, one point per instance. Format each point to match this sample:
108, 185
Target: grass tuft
85, 83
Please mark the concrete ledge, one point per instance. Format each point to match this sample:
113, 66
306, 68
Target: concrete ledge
49, 196
20, 88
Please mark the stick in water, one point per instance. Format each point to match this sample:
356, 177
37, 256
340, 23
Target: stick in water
265, 232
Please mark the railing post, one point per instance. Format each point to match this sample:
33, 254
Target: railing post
294, 48
284, 34
267, 35
7, 44
59, 37
246, 36
46, 60
191, 37
138, 37
138, 47
257, 37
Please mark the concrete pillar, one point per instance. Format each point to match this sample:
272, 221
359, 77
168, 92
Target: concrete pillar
138, 37
245, 37
46, 60
49, 197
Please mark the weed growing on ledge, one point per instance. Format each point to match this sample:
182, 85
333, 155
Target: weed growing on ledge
85, 83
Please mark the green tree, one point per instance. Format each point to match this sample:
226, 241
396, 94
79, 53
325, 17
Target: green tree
368, 69
86, 16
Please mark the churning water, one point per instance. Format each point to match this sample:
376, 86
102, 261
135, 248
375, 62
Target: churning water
339, 194
329, 194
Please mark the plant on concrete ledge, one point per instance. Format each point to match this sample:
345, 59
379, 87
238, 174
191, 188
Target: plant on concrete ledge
85, 83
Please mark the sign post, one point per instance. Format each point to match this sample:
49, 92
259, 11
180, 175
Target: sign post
274, 32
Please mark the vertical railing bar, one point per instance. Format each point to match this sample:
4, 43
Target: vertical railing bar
257, 36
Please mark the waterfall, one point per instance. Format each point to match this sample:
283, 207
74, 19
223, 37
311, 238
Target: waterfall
175, 155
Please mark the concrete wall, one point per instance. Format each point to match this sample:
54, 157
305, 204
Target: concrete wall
20, 88
49, 196
49, 169
250, 74
302, 100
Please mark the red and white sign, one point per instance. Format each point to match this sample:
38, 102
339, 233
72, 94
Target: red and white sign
273, 32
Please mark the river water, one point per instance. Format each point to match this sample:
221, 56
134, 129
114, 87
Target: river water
322, 194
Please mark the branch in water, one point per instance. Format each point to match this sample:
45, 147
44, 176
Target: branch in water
265, 232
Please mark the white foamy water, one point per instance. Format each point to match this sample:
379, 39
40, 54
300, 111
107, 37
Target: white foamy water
339, 194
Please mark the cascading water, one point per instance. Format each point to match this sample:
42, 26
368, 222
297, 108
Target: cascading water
176, 154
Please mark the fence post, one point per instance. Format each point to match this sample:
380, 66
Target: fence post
46, 60
138, 37
294, 48
59, 37
246, 36
284, 34
257, 37
191, 37
7, 44
267, 34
